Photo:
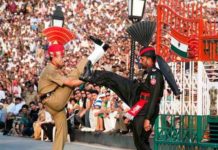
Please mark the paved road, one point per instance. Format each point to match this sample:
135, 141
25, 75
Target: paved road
20, 143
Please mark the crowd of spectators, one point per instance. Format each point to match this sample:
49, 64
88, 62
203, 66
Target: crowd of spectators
23, 55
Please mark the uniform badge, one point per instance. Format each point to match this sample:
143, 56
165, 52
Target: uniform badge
153, 80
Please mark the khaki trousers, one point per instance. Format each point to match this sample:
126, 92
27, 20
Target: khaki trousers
56, 103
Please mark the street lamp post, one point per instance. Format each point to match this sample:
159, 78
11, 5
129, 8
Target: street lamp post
58, 17
135, 12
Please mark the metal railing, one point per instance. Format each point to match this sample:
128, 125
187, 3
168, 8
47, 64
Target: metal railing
184, 132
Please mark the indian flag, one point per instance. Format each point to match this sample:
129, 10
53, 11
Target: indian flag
179, 44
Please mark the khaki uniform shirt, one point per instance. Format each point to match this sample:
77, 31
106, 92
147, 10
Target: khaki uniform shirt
50, 79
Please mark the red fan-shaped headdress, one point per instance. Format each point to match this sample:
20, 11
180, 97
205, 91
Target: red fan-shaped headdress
58, 34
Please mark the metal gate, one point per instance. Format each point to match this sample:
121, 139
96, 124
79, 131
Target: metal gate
186, 21
184, 120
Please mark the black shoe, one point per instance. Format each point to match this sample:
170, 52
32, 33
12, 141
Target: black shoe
105, 47
87, 73
5, 132
96, 40
124, 132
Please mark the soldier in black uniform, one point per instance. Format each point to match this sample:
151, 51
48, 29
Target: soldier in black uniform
144, 97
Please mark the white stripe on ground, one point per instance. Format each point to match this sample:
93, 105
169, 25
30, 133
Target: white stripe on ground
99, 146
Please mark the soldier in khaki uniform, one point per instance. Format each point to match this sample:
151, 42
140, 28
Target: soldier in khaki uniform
55, 89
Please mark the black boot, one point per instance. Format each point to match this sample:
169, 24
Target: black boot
96, 40
99, 42
87, 73
105, 47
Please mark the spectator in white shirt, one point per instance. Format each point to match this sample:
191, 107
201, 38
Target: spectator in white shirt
10, 104
2, 92
18, 105
47, 126
12, 113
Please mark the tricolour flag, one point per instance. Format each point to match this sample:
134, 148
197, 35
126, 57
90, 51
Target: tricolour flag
179, 44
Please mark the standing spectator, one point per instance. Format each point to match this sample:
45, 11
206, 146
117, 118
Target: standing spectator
88, 107
98, 113
80, 99
109, 121
30, 95
92, 117
16, 89
83, 115
121, 125
72, 109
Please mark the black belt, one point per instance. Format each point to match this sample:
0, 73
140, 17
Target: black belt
144, 97
147, 97
44, 96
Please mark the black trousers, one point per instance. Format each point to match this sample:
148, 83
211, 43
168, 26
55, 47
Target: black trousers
27, 131
140, 136
8, 126
129, 92
126, 89
71, 130
48, 129
2, 125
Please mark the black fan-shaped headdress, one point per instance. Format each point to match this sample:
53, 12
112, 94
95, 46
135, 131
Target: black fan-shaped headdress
142, 32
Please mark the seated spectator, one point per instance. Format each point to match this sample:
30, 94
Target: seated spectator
9, 104
15, 130
17, 107
12, 113
37, 124
47, 126
26, 127
3, 115
34, 110
30, 95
